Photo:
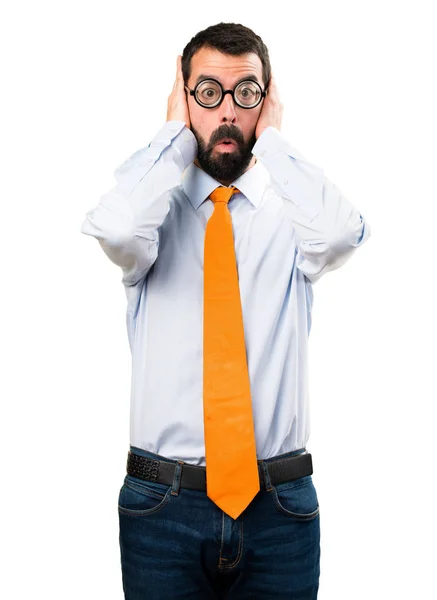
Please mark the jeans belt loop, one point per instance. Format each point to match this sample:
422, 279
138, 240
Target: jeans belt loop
177, 478
267, 482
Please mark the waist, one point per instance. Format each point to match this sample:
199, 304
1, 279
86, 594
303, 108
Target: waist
154, 467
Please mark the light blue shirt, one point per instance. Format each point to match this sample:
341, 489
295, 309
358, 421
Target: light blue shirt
291, 225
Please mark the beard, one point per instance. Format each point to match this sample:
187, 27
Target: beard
225, 166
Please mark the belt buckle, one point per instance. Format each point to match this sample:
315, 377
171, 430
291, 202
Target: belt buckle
143, 468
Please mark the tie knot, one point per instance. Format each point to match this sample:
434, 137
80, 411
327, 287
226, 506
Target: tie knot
223, 194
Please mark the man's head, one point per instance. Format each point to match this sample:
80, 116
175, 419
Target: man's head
228, 53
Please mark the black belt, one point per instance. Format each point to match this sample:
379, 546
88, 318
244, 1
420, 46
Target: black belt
194, 476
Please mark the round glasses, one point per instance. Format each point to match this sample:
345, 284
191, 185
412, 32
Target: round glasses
209, 93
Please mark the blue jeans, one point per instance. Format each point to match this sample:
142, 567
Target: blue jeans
176, 543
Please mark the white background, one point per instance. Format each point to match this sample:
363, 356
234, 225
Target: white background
85, 84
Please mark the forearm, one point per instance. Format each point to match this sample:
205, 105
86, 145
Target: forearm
127, 218
328, 227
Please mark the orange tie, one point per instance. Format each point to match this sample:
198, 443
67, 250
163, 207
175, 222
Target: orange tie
232, 478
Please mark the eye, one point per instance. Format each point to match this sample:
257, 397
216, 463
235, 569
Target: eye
248, 93
208, 92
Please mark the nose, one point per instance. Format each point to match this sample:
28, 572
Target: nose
227, 109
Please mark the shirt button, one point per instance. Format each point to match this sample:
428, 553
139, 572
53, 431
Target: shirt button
285, 182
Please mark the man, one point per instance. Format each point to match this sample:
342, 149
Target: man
221, 228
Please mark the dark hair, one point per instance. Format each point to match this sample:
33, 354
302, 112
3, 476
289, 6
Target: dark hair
229, 38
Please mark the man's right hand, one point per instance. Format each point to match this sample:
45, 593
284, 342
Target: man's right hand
177, 106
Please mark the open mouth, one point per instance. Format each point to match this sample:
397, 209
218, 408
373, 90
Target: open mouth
226, 142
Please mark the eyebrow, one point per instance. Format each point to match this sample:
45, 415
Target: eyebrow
249, 77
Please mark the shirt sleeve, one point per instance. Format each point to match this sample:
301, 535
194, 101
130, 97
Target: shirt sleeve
328, 227
127, 218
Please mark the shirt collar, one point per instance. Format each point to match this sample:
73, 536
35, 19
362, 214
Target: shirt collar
198, 185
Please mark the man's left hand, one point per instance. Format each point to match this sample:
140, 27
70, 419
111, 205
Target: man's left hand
271, 112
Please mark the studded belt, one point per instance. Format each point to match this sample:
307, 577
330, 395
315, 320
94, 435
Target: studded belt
194, 477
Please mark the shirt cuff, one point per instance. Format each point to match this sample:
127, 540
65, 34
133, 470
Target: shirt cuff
185, 141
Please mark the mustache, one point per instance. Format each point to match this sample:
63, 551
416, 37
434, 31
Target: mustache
226, 131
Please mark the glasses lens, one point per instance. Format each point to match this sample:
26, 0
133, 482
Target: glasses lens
208, 93
248, 94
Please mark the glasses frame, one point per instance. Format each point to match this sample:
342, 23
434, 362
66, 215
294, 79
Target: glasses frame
224, 92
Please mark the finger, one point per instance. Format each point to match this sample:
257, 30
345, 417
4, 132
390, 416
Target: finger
180, 77
177, 70
176, 78
273, 87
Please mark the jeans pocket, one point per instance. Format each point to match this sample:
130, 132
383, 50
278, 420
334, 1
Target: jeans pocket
140, 498
297, 499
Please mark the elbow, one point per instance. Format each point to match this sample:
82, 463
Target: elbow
361, 233
317, 257
133, 253
340, 249
352, 236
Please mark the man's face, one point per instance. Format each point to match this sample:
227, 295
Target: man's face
224, 162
